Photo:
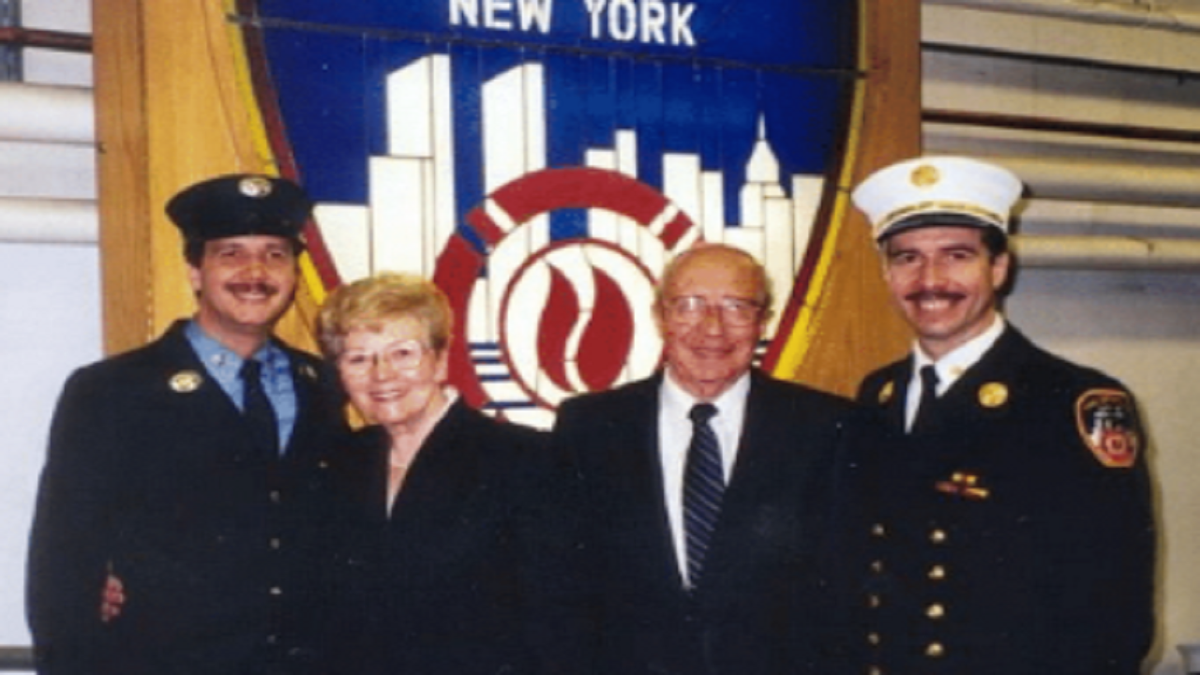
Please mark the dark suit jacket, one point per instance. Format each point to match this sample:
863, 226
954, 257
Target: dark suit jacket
455, 581
1045, 566
751, 612
160, 482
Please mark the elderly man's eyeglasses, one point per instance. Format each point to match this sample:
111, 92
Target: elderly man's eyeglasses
690, 309
405, 355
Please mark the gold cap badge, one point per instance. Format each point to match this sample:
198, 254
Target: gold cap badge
186, 381
993, 395
255, 186
925, 175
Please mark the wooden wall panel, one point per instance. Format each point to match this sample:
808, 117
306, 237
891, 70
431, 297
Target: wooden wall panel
171, 110
853, 327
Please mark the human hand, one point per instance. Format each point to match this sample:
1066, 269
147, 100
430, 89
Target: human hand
112, 599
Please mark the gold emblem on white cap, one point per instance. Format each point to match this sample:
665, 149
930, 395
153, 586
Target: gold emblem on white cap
255, 187
925, 175
907, 194
186, 381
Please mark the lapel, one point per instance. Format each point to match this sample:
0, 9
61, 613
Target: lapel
179, 358
967, 414
180, 362
762, 430
443, 482
893, 408
306, 383
983, 394
766, 450
638, 477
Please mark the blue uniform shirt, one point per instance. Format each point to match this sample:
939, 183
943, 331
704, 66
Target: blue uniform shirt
223, 365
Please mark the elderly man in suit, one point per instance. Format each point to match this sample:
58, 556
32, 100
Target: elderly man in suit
999, 511
189, 469
703, 489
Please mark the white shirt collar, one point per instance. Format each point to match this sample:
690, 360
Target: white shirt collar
954, 364
731, 404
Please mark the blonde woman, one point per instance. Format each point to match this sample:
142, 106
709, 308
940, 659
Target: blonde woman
453, 514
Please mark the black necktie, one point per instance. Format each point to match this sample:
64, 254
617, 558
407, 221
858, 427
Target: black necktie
257, 409
703, 487
925, 409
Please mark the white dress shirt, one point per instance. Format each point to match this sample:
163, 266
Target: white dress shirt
674, 436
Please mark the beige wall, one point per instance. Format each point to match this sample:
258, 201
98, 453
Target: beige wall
1132, 66
1142, 328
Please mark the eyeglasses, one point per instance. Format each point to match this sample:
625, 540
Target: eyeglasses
691, 309
405, 355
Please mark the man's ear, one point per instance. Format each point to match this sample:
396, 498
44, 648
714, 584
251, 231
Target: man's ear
193, 275
1001, 267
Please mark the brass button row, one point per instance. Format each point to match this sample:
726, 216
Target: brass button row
936, 536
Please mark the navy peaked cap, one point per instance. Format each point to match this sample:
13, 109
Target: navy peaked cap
240, 204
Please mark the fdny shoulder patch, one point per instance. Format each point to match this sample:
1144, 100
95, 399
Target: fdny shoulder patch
1108, 426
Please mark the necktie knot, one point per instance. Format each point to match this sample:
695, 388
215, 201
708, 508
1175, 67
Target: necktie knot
701, 413
251, 371
929, 381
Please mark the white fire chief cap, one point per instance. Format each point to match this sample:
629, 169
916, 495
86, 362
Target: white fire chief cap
930, 191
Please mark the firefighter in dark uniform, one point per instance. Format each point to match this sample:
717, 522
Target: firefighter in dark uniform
996, 500
190, 470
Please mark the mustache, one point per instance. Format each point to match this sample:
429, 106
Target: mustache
922, 296
260, 287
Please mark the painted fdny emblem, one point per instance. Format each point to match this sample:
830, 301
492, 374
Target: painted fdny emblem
542, 160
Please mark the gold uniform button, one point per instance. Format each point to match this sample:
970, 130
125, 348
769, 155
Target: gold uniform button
873, 639
935, 611
874, 670
937, 572
276, 543
276, 591
938, 536
874, 601
878, 530
877, 567
935, 650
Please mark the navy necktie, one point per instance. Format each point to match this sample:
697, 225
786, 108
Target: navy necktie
925, 409
257, 410
703, 488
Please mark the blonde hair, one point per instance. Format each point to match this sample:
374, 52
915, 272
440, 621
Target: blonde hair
370, 302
